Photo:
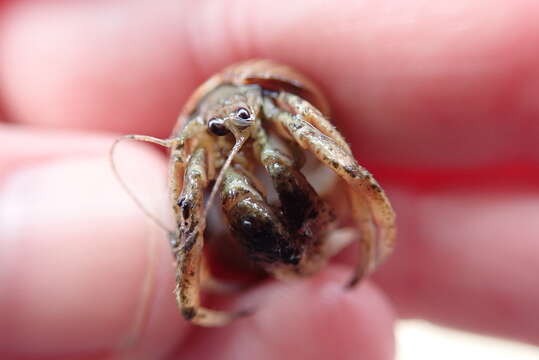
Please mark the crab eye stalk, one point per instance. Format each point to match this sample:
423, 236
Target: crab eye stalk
243, 116
217, 127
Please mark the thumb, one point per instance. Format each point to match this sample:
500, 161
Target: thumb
82, 270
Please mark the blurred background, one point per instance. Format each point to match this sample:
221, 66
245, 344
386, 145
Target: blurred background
420, 340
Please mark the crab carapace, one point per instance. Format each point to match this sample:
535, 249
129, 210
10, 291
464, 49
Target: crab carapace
263, 115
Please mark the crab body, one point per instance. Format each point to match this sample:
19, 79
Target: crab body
263, 116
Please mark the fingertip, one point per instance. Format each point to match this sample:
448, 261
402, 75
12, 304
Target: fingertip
435, 82
82, 270
312, 319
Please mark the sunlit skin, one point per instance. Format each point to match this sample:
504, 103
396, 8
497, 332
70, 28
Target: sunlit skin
436, 98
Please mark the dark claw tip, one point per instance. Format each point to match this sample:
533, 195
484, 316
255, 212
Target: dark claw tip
245, 312
189, 313
352, 282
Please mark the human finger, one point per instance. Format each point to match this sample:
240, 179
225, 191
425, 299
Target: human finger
313, 319
467, 259
412, 84
83, 272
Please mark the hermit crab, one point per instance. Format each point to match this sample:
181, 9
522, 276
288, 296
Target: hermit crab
263, 117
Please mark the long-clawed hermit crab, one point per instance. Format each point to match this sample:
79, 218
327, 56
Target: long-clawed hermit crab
261, 116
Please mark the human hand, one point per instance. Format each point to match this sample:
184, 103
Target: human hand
437, 99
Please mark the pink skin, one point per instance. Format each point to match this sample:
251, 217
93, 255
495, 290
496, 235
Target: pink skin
439, 100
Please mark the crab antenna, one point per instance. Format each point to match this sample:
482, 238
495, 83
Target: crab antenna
237, 146
163, 142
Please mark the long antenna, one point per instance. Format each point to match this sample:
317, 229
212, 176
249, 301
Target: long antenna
237, 146
163, 142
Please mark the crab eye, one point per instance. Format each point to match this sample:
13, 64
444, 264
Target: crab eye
244, 116
217, 127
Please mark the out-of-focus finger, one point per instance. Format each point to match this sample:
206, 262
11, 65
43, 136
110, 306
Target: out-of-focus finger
467, 259
412, 83
83, 272
313, 319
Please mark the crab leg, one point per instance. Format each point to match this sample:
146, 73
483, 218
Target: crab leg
297, 105
189, 242
256, 225
307, 216
369, 203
